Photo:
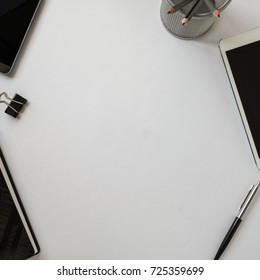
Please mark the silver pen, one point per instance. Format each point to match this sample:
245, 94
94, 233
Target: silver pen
237, 220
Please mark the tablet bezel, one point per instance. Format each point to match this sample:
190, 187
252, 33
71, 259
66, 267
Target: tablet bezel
225, 45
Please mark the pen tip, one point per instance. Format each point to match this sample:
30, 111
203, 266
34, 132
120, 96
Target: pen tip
217, 256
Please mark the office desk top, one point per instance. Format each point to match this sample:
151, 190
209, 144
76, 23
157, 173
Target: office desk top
131, 146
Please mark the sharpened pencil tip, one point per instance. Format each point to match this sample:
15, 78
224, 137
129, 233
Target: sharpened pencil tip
184, 21
216, 13
171, 10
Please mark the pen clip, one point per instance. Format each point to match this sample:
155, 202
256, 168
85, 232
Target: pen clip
248, 199
250, 191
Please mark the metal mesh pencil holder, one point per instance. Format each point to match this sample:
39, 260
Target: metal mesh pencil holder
200, 23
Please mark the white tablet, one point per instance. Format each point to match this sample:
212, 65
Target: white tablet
241, 56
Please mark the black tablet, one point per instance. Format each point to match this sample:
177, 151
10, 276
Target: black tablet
17, 240
15, 19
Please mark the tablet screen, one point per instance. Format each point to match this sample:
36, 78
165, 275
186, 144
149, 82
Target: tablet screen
245, 63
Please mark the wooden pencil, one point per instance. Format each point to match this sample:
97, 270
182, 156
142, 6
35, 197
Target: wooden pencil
212, 7
178, 6
192, 12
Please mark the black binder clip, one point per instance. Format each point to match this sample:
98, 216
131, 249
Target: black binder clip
14, 105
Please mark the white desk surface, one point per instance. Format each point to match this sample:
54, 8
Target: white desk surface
132, 146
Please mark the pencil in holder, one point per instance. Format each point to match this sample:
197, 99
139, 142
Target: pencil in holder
190, 19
